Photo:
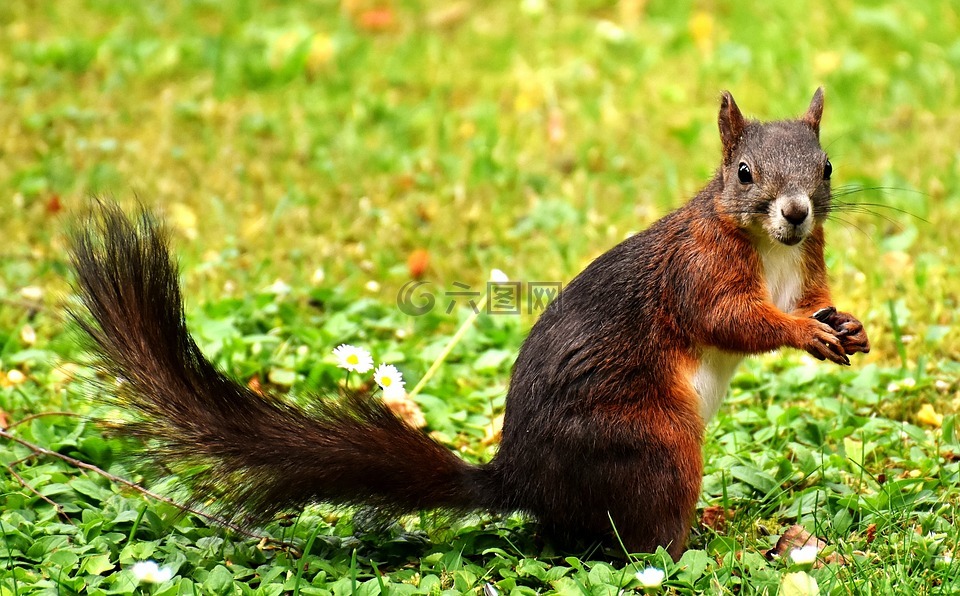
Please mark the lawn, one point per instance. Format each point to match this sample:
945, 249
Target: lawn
308, 157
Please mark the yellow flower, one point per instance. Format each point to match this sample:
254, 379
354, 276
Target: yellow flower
701, 27
927, 415
320, 53
826, 62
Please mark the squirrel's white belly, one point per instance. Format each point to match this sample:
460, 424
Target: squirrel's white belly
781, 271
712, 378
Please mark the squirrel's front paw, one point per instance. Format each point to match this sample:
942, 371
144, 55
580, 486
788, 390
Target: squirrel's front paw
822, 342
850, 331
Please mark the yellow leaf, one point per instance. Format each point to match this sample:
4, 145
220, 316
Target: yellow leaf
854, 450
799, 583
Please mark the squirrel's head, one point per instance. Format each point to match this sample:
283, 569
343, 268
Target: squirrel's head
776, 177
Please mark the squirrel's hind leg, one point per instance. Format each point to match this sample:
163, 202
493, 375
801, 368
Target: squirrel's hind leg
659, 508
642, 475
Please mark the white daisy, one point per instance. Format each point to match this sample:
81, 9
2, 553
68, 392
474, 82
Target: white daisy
390, 380
150, 573
353, 358
651, 577
805, 555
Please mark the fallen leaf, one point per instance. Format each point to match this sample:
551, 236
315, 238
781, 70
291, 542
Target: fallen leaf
405, 182
407, 410
796, 536
424, 213
417, 263
494, 431
715, 517
54, 205
377, 19
871, 533
449, 16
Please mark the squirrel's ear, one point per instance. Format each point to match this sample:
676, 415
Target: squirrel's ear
815, 111
731, 124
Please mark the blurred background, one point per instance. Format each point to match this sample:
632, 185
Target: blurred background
355, 144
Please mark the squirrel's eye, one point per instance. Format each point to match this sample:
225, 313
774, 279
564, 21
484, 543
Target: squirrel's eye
827, 170
743, 174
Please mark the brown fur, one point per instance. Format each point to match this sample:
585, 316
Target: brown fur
603, 421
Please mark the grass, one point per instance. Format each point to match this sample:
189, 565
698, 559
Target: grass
320, 145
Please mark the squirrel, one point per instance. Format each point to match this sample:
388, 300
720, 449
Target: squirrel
608, 399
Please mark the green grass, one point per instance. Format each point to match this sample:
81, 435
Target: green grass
287, 141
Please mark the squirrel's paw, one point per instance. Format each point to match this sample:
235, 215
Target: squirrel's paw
822, 342
850, 331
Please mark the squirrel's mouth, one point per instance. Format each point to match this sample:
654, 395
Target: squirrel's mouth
789, 239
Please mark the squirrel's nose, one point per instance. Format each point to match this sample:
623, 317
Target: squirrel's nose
795, 214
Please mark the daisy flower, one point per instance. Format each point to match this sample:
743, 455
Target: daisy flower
353, 358
805, 555
499, 277
390, 380
150, 573
651, 577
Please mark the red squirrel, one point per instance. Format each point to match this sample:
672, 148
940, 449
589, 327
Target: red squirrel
608, 398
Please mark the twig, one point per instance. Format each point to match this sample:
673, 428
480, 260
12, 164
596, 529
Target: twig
17, 462
26, 485
41, 415
37, 449
31, 306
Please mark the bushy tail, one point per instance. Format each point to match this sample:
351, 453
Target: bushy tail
254, 454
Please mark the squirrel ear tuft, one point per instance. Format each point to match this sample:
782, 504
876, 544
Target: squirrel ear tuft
815, 111
731, 124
